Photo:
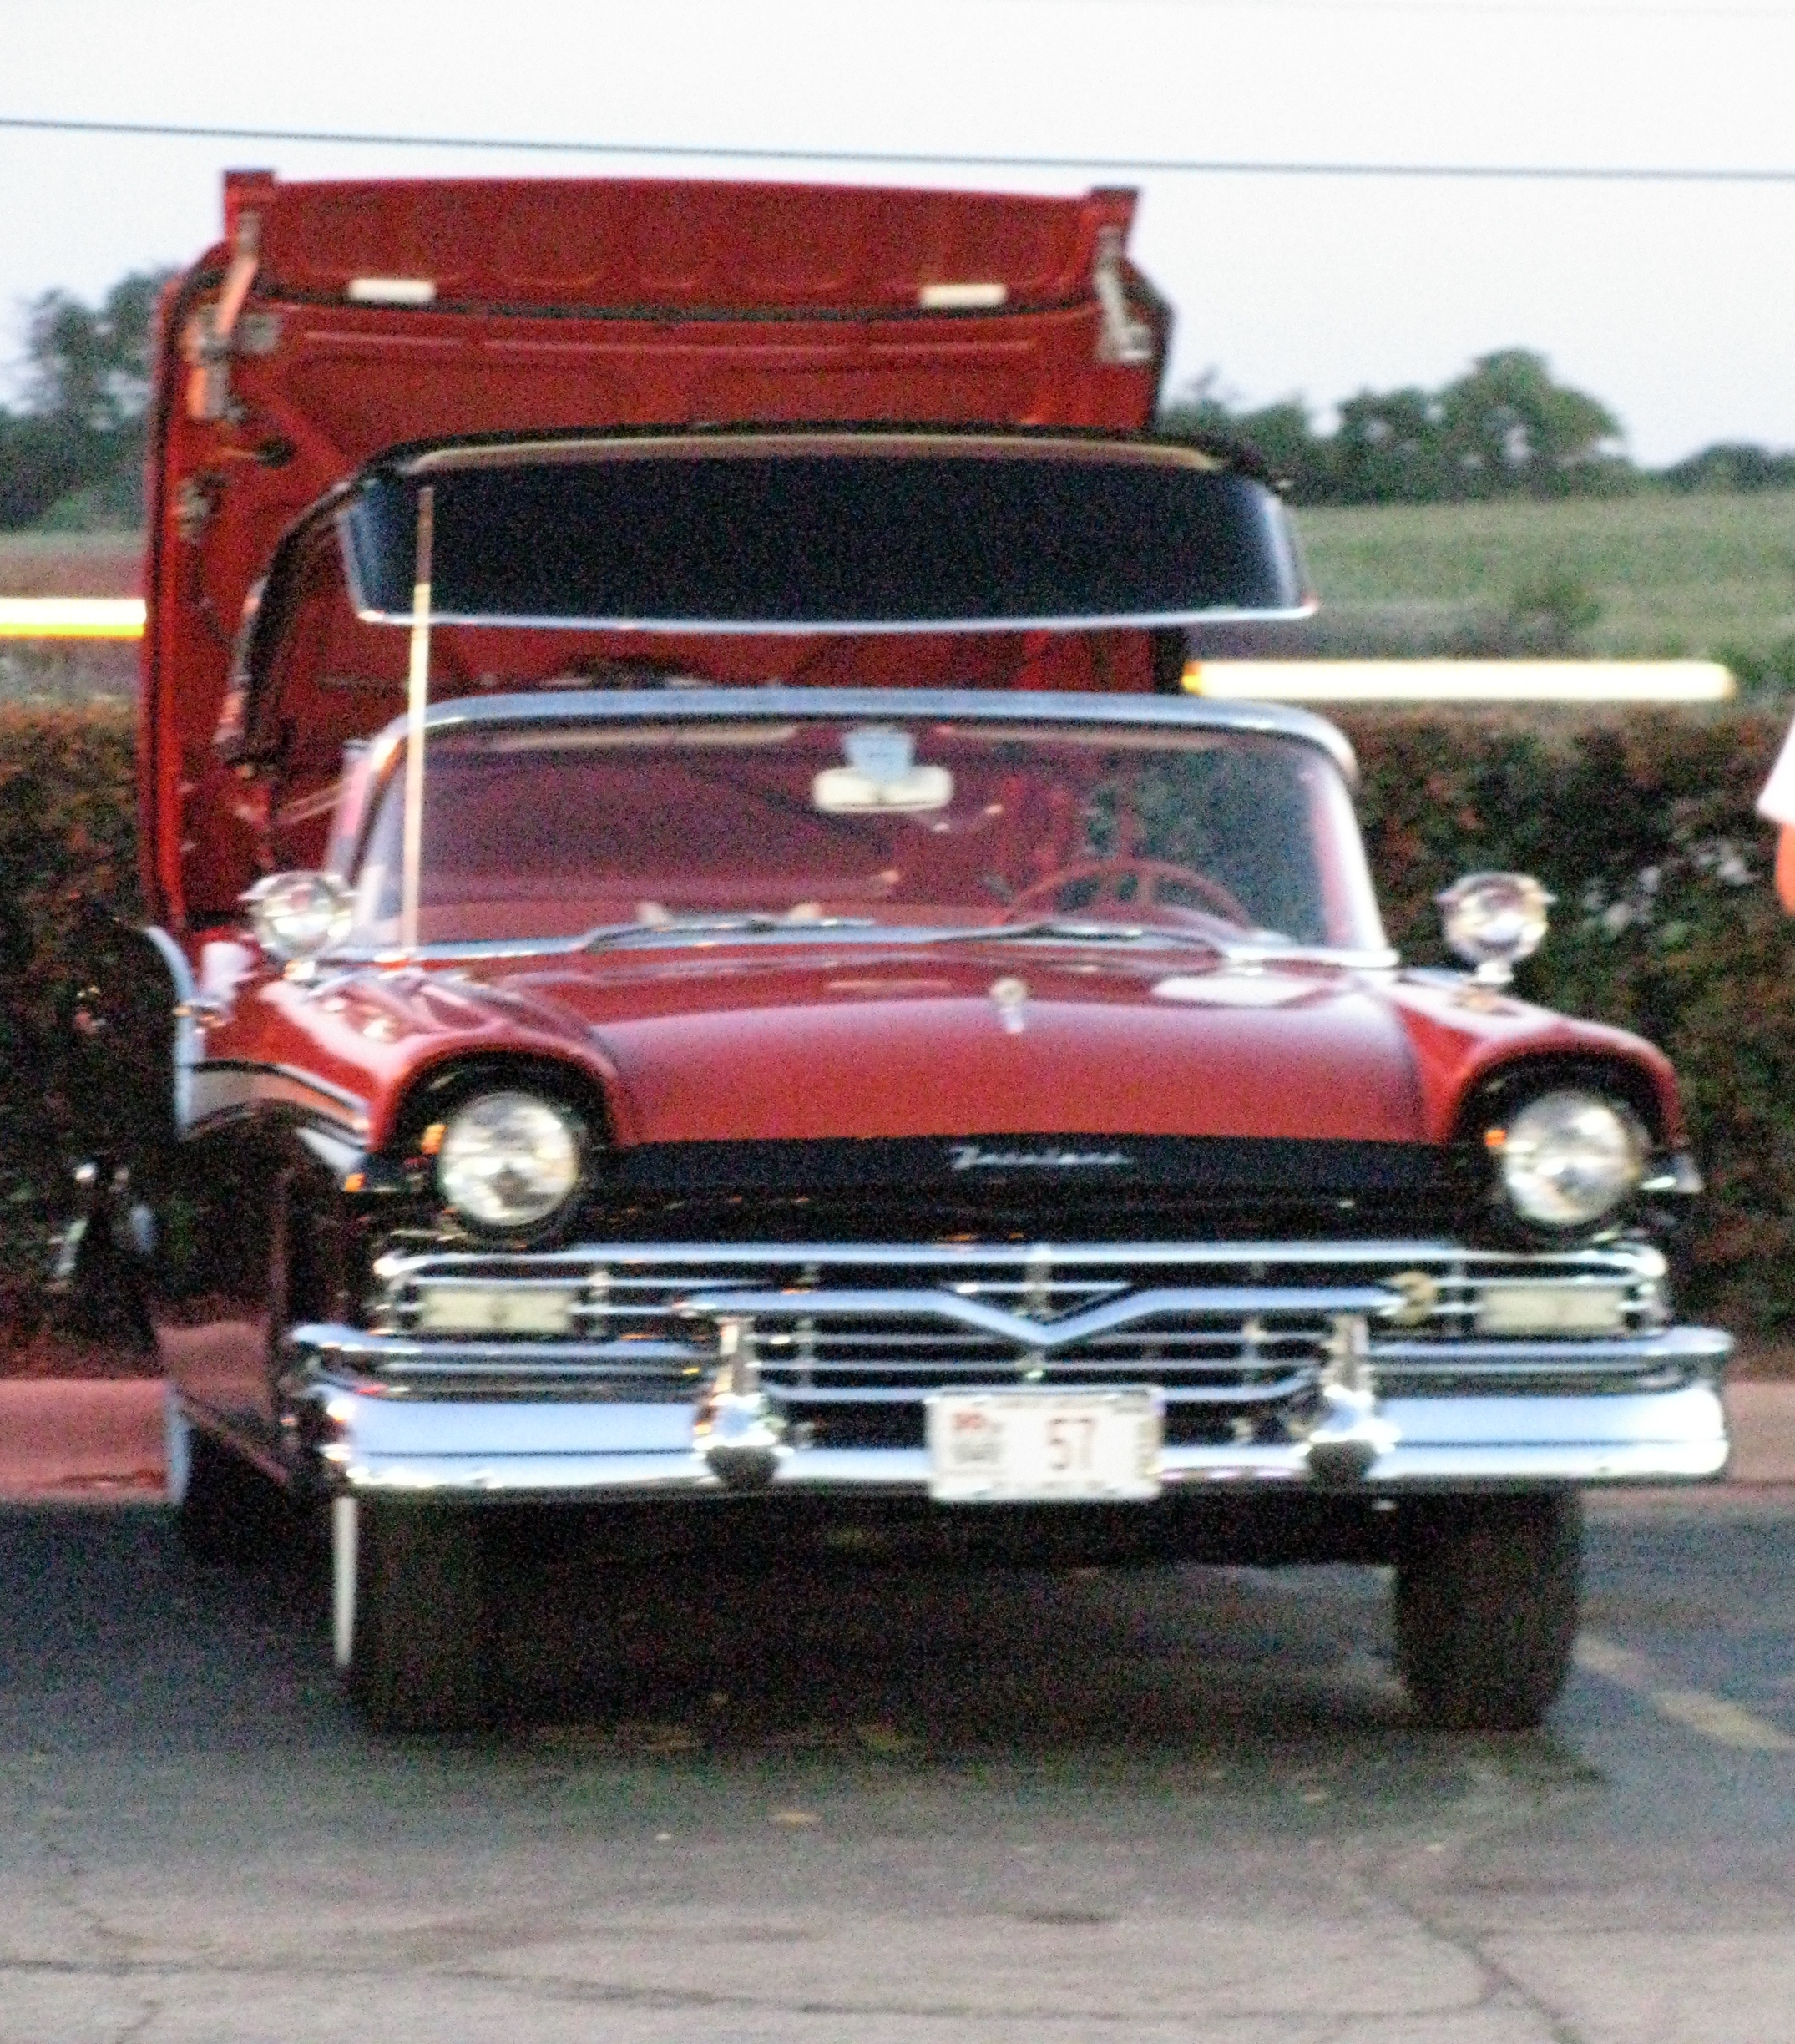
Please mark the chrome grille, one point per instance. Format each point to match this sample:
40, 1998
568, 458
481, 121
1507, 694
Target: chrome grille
1237, 1330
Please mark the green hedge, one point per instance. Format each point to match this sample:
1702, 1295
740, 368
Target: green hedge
68, 859
1640, 824
1667, 923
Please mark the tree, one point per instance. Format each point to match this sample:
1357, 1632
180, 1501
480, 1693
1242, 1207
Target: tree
1509, 428
1390, 448
87, 387
1732, 465
1281, 434
1502, 427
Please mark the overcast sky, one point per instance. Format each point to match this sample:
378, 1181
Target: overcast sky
1675, 304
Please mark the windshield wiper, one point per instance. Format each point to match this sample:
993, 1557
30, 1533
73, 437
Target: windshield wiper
1081, 932
1267, 948
753, 923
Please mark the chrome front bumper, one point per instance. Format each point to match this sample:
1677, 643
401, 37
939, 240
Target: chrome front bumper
371, 1436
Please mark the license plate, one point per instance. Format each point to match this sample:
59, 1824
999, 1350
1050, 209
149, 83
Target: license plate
1002, 1447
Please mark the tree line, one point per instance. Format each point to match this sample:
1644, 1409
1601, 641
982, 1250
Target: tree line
72, 452
1504, 428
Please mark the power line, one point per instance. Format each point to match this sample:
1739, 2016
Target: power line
1156, 166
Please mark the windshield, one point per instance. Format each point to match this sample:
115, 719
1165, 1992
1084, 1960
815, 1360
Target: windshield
552, 831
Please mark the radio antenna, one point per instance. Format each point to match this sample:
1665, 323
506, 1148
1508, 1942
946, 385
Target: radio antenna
417, 702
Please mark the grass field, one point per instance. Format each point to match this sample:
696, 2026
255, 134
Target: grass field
1671, 576
70, 564
67, 564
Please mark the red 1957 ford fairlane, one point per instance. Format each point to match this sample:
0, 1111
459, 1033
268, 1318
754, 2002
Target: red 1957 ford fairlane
703, 961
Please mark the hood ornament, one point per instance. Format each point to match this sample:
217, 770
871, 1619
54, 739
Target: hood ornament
1010, 997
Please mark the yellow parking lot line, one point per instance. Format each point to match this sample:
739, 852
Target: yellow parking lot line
71, 617
1713, 1716
1460, 680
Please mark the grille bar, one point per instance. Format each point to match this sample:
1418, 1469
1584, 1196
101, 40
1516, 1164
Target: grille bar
1195, 1302
835, 1324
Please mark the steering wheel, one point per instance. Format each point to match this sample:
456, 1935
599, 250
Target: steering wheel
1110, 895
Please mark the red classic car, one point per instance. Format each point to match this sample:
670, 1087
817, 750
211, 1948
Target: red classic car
716, 970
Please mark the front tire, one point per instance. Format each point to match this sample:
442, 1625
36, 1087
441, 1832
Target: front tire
1487, 1593
409, 1611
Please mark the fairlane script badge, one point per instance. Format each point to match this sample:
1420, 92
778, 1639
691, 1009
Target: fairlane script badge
968, 1157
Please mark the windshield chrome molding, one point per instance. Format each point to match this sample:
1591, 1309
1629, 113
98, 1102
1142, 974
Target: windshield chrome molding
1171, 713
857, 628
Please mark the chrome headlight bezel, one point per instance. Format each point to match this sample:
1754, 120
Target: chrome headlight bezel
510, 1161
1569, 1158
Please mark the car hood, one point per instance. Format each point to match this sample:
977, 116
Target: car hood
777, 1043
990, 1044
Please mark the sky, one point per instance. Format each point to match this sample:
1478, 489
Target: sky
1675, 304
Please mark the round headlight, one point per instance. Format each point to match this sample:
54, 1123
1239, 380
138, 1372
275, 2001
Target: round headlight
507, 1160
1569, 1158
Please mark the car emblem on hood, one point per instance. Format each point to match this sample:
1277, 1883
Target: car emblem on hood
974, 1156
1010, 997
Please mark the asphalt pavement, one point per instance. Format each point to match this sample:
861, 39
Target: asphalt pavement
837, 1802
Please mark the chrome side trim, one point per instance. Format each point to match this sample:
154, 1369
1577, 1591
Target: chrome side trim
186, 1028
224, 1086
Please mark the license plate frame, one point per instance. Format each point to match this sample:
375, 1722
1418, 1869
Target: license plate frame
1023, 1446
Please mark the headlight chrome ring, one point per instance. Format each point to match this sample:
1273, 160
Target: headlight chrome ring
509, 1159
1568, 1158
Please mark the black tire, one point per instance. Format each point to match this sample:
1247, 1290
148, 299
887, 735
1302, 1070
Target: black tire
413, 1644
228, 1510
1486, 1606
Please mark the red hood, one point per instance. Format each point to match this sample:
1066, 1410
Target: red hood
694, 1046
338, 320
998, 1046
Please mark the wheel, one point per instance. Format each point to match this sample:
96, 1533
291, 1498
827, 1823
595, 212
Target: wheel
1486, 1606
409, 1611
225, 1509
1139, 885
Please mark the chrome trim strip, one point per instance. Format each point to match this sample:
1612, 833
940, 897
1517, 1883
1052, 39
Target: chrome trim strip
957, 1310
988, 706
232, 1086
186, 1028
351, 1349
1098, 451
1703, 1345
1627, 1259
893, 936
1267, 1391
857, 628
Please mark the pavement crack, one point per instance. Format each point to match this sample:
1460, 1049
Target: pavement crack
151, 2010
1497, 1802
69, 1876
